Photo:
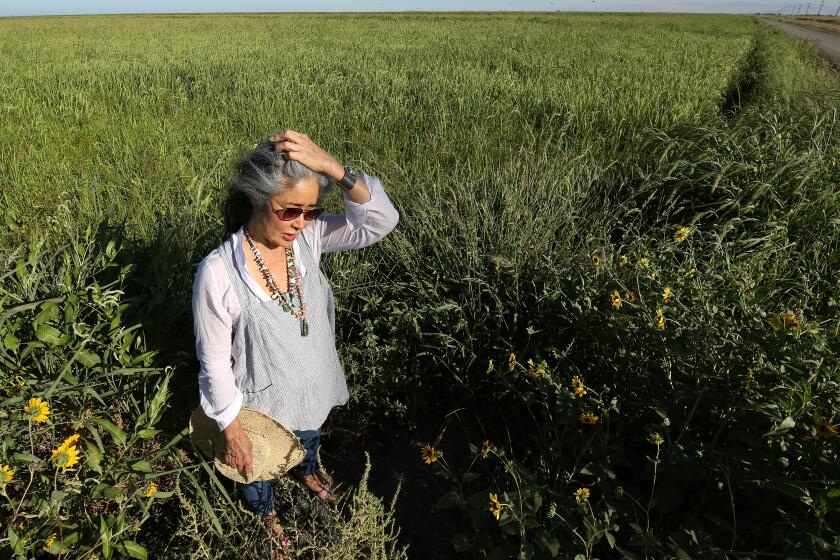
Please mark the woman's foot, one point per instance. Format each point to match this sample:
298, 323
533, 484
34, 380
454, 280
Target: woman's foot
319, 488
281, 544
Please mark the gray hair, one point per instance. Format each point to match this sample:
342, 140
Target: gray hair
261, 175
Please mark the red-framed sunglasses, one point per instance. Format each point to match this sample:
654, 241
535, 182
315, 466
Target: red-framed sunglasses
289, 214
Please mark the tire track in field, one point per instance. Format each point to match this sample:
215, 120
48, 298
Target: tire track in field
828, 44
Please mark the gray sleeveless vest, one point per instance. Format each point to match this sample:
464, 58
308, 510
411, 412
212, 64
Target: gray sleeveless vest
292, 378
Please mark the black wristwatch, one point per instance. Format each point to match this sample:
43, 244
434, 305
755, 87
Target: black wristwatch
349, 180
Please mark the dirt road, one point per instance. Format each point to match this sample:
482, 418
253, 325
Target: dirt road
827, 43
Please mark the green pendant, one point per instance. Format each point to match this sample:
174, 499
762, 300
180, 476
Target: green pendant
304, 327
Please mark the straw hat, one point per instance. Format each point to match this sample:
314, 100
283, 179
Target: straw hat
276, 449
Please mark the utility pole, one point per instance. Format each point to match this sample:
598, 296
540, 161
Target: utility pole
808, 9
837, 12
821, 5
799, 9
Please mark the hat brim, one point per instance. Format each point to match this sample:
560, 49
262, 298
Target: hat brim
275, 448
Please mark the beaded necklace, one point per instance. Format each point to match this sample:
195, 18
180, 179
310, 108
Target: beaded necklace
284, 298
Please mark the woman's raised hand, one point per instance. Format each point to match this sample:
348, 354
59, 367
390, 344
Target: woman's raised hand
300, 148
240, 451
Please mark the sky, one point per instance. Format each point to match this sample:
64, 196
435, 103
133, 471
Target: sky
62, 7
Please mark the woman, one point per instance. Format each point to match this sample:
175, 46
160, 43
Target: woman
264, 311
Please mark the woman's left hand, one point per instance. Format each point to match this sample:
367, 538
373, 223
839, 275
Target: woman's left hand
299, 147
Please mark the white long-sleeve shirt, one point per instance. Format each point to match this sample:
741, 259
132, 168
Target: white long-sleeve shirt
216, 307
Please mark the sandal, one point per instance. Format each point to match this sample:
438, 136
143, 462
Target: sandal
328, 493
279, 538
332, 495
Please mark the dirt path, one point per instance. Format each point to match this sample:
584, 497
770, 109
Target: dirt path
827, 43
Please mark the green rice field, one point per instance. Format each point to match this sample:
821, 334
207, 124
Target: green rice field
606, 325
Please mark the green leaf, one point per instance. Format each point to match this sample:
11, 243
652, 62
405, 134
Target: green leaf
49, 335
23, 457
57, 496
113, 429
105, 534
15, 541
786, 425
134, 550
88, 359
149, 433
141, 466
93, 457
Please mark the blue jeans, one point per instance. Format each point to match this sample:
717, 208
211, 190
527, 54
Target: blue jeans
259, 495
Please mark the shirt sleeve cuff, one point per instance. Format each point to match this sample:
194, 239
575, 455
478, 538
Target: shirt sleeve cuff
228, 414
356, 212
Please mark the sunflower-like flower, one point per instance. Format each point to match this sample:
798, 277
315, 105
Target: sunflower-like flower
508, 464
429, 454
630, 296
656, 438
825, 429
37, 409
588, 418
644, 261
666, 294
596, 261
151, 490
578, 387
66, 455
616, 299
49, 543
582, 495
682, 233
486, 447
495, 506
6, 474
660, 319
785, 320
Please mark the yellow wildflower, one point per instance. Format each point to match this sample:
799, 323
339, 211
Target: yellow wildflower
616, 299
644, 261
486, 447
785, 320
508, 464
596, 260
656, 438
825, 429
490, 365
152, 489
49, 542
691, 272
578, 387
582, 495
495, 506
631, 296
6, 474
660, 319
429, 454
666, 294
66, 455
37, 409
588, 418
511, 361
682, 233
748, 379
652, 275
